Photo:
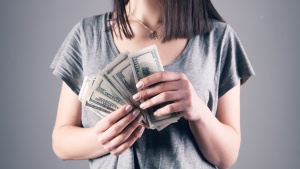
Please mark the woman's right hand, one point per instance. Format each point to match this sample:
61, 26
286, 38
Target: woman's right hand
119, 130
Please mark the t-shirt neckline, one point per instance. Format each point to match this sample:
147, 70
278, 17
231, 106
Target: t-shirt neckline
110, 41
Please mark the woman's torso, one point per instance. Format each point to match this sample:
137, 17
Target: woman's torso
173, 147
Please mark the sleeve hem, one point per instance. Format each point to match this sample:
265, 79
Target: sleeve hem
63, 77
224, 89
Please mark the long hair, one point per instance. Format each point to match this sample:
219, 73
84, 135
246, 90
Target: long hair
180, 18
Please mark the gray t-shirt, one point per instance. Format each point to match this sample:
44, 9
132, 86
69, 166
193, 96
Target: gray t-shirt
213, 63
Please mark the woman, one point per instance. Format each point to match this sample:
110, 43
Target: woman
204, 64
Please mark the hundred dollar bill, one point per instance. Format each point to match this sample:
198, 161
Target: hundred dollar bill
96, 109
101, 100
105, 96
86, 86
115, 63
104, 87
109, 71
101, 74
144, 63
124, 76
120, 75
114, 86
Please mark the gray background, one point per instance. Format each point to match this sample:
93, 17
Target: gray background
31, 31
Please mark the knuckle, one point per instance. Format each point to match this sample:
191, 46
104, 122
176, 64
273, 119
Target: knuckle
186, 84
188, 103
108, 148
170, 108
159, 111
114, 132
188, 95
165, 96
109, 121
115, 153
123, 137
144, 93
121, 112
116, 128
125, 121
118, 153
161, 86
149, 102
102, 140
170, 95
128, 118
182, 75
145, 81
97, 130
126, 145
189, 85
161, 75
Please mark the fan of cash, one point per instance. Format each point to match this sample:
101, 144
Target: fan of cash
115, 85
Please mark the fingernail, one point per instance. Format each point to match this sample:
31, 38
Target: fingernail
143, 105
140, 119
155, 114
139, 85
128, 108
136, 96
141, 128
136, 112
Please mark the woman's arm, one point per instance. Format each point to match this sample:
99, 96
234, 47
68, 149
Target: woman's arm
69, 139
115, 133
218, 137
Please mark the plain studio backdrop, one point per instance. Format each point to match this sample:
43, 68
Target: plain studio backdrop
31, 31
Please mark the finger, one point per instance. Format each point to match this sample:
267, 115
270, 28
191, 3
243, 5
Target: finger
117, 128
156, 89
159, 77
124, 135
112, 118
128, 143
170, 108
162, 98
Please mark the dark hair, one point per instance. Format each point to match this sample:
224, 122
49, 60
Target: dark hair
181, 18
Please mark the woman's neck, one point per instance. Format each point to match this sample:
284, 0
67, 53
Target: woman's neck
146, 11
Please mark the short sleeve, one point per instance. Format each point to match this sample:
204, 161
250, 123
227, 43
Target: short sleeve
235, 64
67, 63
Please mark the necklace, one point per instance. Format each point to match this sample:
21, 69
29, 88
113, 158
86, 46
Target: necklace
153, 34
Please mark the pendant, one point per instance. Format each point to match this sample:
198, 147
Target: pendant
153, 35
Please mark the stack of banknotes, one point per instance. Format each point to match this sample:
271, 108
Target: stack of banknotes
115, 85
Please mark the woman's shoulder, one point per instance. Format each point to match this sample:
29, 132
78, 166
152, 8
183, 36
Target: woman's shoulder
222, 29
216, 24
92, 22
219, 32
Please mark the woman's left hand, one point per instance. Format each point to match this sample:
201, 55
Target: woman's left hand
173, 88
